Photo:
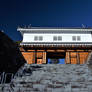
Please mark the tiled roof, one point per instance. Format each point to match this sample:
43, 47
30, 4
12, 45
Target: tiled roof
57, 44
50, 29
54, 27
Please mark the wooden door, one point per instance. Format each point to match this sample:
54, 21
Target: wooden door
39, 61
29, 57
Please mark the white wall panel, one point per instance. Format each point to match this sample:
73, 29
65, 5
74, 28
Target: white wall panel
48, 37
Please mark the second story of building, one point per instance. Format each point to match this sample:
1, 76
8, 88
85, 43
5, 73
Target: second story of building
56, 35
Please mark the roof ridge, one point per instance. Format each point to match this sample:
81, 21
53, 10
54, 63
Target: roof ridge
55, 27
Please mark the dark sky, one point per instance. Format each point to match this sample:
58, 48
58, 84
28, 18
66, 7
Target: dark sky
43, 13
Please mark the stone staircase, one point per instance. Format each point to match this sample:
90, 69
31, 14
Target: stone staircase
51, 78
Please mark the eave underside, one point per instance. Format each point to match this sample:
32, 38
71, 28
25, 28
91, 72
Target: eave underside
56, 44
64, 46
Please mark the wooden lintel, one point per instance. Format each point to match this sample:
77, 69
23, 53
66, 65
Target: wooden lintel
41, 50
80, 50
30, 50
89, 50
70, 50
60, 50
50, 50
22, 49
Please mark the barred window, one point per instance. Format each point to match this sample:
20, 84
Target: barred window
40, 38
78, 38
59, 38
74, 38
36, 38
55, 38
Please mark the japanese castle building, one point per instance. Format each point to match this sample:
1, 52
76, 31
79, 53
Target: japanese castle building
39, 45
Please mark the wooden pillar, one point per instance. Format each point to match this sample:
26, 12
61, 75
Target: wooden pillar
83, 57
41, 57
67, 58
78, 58
44, 58
73, 57
34, 57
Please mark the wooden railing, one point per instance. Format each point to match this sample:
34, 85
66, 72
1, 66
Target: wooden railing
6, 77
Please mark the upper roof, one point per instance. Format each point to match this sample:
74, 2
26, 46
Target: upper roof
41, 29
55, 27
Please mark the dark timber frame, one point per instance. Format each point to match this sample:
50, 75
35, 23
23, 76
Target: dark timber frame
74, 54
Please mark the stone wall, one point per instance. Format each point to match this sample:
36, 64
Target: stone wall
51, 78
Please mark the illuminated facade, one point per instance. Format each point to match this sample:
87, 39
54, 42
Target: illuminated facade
73, 45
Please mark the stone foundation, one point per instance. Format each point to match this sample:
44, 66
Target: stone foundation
51, 78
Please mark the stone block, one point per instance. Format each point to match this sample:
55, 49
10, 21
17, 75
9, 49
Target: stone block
40, 87
75, 90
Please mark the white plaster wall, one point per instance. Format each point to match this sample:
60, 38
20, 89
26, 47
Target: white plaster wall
48, 37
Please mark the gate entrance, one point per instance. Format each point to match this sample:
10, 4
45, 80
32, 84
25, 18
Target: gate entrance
59, 55
55, 57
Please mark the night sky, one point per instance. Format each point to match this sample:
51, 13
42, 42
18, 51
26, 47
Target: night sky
43, 13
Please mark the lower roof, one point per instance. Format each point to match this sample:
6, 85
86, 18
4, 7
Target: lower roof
42, 29
89, 44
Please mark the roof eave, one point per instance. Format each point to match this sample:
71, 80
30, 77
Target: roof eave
26, 29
